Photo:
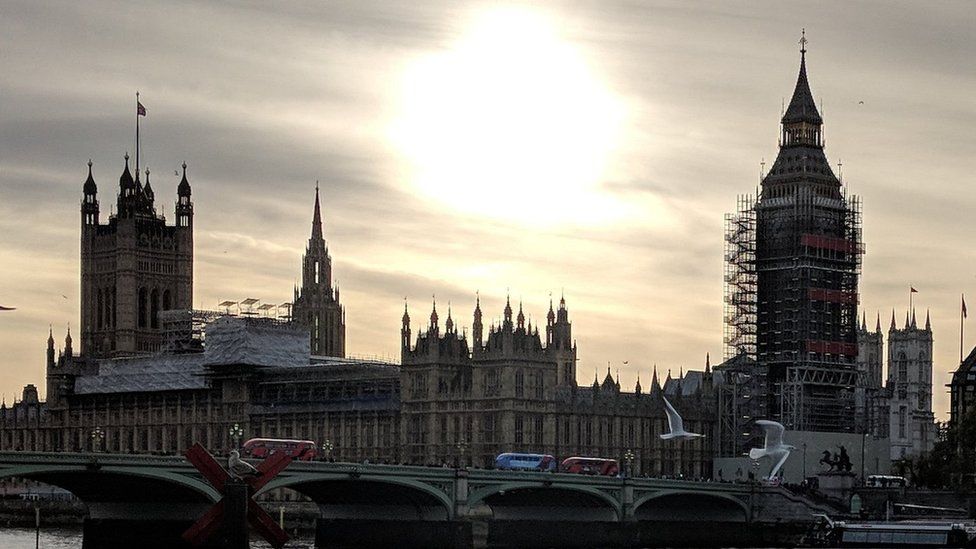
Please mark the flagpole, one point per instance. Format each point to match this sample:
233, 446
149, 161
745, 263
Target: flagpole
137, 134
962, 316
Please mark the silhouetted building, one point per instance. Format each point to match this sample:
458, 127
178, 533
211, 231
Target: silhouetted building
793, 264
132, 267
316, 304
963, 389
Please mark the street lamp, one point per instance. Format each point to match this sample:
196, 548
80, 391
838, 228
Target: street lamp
327, 449
236, 432
629, 460
97, 435
864, 437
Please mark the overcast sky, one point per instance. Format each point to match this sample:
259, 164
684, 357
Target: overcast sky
585, 147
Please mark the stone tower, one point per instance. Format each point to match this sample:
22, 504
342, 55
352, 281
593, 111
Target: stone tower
870, 382
559, 342
317, 302
807, 262
133, 267
912, 427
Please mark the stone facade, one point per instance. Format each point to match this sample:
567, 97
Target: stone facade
516, 392
900, 410
963, 389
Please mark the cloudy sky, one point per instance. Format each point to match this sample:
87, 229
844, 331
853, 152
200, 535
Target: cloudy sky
584, 147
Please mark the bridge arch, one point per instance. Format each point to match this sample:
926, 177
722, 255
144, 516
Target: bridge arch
686, 505
344, 495
546, 501
130, 492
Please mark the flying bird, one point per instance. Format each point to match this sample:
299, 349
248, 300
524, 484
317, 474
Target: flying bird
240, 468
676, 425
2, 308
773, 447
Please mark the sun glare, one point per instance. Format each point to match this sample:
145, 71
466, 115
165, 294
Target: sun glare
510, 122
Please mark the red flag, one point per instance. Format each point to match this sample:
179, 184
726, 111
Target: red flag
964, 312
913, 290
140, 110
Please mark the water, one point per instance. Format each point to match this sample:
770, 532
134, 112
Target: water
70, 538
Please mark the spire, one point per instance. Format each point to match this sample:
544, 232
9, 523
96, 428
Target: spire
317, 217
449, 324
892, 327
90, 187
877, 327
914, 325
655, 384
433, 316
406, 315
184, 187
551, 317
708, 363
908, 319
637, 387
508, 309
928, 321
864, 321
67, 343
125, 180
521, 316
802, 106
148, 189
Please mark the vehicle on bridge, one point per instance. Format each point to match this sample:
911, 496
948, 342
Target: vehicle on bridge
886, 481
260, 448
511, 461
590, 466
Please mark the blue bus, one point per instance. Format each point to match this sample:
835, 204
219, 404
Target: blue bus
525, 462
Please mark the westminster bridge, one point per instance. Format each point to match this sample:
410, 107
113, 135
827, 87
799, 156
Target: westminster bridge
145, 500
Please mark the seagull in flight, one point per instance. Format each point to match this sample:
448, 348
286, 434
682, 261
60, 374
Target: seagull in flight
2, 308
676, 425
240, 468
773, 447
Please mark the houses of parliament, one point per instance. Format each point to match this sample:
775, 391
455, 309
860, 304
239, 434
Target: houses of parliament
154, 376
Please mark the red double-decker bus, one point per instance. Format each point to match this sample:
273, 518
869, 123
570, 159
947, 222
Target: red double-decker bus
260, 448
590, 466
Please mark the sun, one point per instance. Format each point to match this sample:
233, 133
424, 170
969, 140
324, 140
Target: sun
510, 122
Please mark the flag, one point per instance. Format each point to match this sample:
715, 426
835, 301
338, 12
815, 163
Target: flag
140, 110
913, 290
964, 312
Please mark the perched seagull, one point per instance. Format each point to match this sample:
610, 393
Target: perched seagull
774, 447
240, 468
676, 425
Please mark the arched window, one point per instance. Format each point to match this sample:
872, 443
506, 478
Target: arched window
519, 383
902, 367
143, 307
154, 309
167, 302
100, 308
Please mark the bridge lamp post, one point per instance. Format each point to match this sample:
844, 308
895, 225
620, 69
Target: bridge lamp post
236, 432
97, 435
629, 460
327, 449
864, 437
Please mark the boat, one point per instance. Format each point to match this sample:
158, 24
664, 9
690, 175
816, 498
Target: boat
831, 533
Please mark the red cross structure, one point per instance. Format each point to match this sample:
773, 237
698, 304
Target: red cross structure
207, 525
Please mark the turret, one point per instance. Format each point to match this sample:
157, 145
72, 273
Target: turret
68, 351
433, 329
184, 207
50, 348
520, 320
449, 323
477, 327
405, 329
89, 201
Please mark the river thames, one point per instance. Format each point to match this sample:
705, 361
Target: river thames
70, 538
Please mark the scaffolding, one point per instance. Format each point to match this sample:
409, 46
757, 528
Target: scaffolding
740, 281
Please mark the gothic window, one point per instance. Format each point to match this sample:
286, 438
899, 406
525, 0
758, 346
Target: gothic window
538, 430
589, 432
443, 434
167, 303
154, 309
143, 307
566, 432
114, 310
519, 383
538, 386
469, 429
902, 420
99, 308
519, 428
489, 427
902, 368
